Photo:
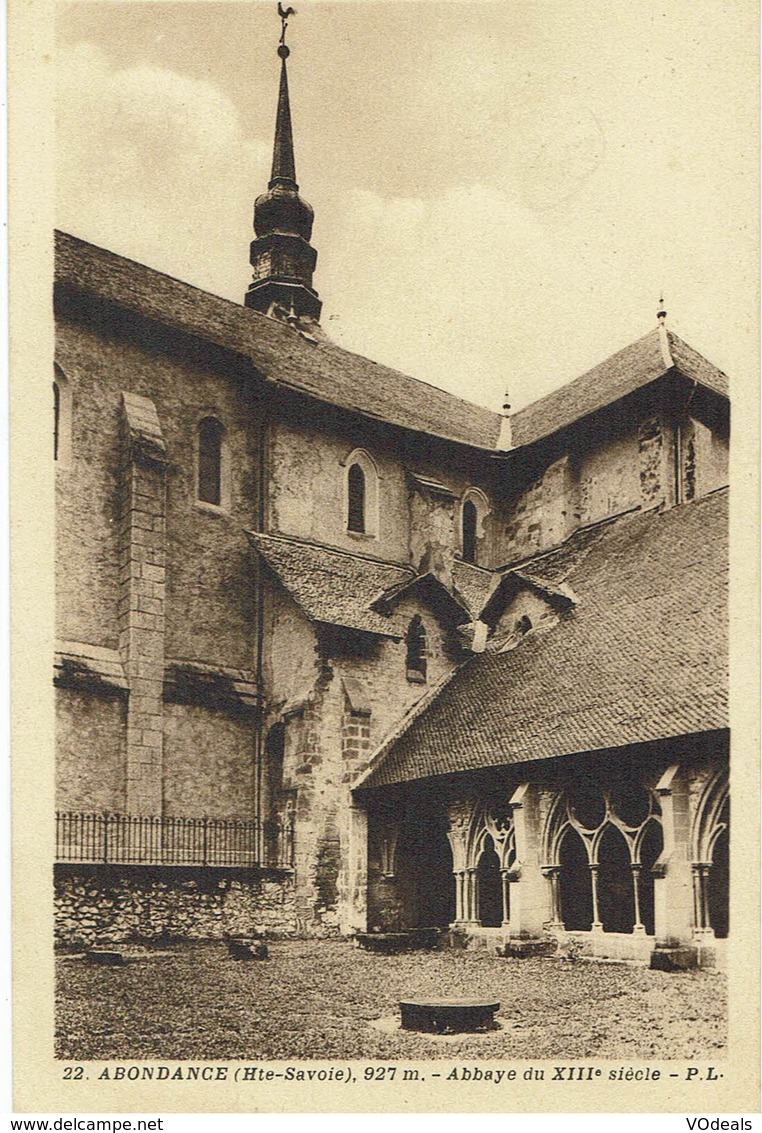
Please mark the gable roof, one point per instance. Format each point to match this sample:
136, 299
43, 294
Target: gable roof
317, 368
641, 657
624, 372
332, 586
474, 584
432, 589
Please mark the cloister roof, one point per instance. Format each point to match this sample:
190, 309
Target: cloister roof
640, 656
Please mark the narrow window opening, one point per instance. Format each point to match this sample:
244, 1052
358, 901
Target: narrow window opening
356, 499
415, 641
56, 418
210, 432
469, 519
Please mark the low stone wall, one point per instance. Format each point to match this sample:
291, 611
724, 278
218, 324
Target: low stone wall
117, 904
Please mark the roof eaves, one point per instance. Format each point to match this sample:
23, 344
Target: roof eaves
377, 758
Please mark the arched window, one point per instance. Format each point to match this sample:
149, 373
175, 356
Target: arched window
210, 451
415, 641
575, 883
361, 494
474, 510
616, 887
356, 499
469, 531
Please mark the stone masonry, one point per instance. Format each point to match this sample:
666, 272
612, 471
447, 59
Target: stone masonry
141, 600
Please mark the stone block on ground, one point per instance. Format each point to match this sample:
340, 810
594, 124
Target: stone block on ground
248, 949
522, 949
674, 959
108, 957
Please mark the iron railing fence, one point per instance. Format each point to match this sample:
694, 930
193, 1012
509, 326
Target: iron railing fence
127, 839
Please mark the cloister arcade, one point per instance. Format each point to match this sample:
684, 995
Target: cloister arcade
636, 856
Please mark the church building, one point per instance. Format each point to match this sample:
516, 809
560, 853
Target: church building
339, 652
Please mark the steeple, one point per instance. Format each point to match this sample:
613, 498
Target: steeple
281, 255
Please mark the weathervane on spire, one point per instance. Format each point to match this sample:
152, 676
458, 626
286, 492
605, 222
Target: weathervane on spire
284, 14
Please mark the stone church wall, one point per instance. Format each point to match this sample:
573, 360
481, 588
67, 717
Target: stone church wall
615, 466
307, 490
91, 746
308, 467
209, 594
338, 699
208, 763
198, 603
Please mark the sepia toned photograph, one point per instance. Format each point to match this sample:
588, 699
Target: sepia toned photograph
390, 427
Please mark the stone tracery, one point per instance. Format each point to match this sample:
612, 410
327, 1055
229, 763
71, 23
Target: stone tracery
600, 849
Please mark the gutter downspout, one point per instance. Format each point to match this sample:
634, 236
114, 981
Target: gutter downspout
259, 602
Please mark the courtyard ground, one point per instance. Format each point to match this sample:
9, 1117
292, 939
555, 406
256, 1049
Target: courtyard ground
319, 999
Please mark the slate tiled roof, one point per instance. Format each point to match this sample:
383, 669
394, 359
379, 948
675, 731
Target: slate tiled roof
641, 656
627, 370
318, 368
323, 370
333, 586
474, 584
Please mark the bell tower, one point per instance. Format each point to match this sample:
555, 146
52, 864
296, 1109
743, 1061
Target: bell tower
281, 255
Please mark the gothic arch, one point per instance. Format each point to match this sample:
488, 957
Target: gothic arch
479, 833
614, 829
361, 494
710, 858
709, 821
474, 509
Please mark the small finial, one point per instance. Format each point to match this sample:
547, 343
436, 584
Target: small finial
505, 438
661, 314
284, 14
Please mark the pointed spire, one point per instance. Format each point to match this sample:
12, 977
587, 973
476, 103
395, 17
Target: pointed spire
281, 255
284, 166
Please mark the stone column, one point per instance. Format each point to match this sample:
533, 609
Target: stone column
702, 928
459, 814
141, 600
530, 896
472, 896
355, 913
597, 925
638, 928
552, 872
673, 884
505, 882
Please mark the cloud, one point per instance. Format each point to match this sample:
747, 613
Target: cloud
155, 164
445, 287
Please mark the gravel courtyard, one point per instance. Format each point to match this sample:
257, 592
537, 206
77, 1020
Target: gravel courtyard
319, 999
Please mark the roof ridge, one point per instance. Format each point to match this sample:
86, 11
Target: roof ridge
326, 345
532, 405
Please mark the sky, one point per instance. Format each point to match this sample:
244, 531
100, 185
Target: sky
502, 189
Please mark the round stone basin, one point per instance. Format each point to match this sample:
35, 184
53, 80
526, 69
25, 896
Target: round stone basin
448, 1016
